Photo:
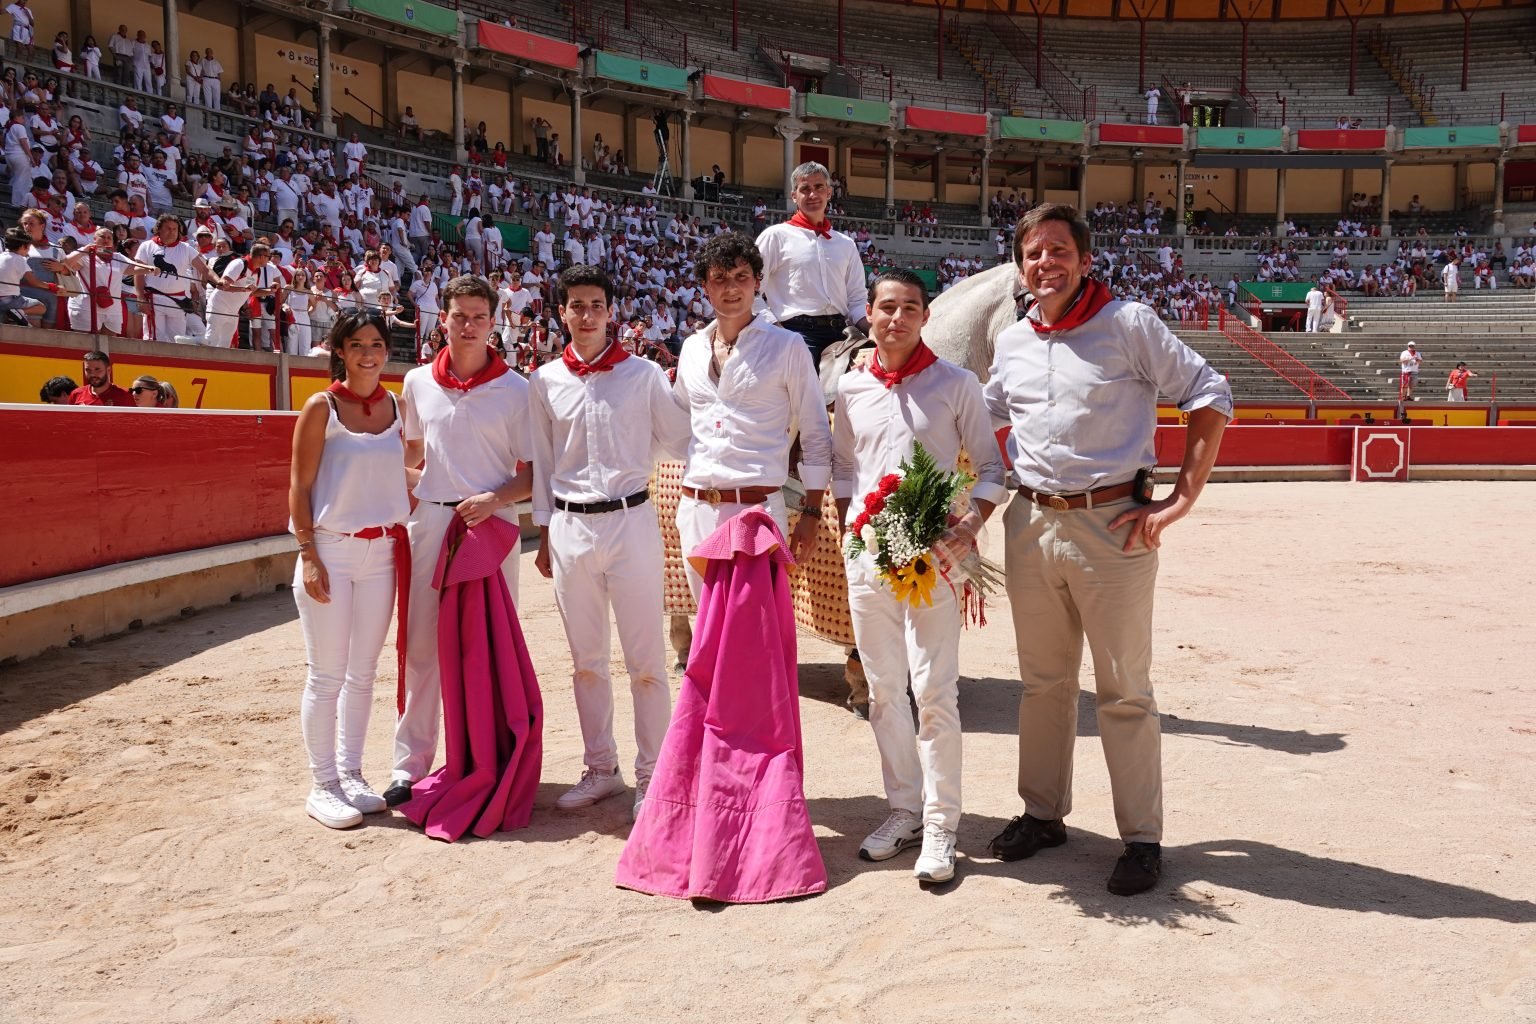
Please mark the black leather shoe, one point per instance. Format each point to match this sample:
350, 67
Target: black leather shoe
1026, 836
398, 793
1137, 870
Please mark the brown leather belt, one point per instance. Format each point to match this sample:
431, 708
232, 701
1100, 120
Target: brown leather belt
744, 496
1084, 499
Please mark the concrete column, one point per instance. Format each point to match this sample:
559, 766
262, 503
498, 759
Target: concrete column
1178, 199
1280, 203
174, 58
843, 164
1240, 193
1460, 200
940, 176
789, 132
1082, 184
81, 22
245, 51
986, 177
738, 153
687, 151
577, 146
1346, 189
890, 171
1498, 196
1386, 199
632, 135
515, 112
389, 100
323, 101
1038, 179
459, 152
1138, 182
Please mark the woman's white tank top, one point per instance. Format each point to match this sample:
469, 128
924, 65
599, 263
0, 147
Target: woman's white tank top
361, 479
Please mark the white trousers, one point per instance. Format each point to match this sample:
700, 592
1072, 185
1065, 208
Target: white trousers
343, 638
696, 520
1314, 317
109, 320
419, 725
222, 330
170, 319
212, 93
299, 334
143, 79
921, 766
613, 559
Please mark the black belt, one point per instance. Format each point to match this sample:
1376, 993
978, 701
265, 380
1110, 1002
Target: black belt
593, 508
455, 503
835, 320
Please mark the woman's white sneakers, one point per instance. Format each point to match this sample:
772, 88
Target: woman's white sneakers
328, 805
361, 795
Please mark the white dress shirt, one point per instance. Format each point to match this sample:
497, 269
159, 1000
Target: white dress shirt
743, 426
1083, 403
596, 438
474, 439
874, 427
807, 275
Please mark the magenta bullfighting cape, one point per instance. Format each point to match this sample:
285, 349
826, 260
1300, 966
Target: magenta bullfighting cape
493, 716
725, 816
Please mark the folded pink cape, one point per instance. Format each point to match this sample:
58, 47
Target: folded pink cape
493, 716
725, 817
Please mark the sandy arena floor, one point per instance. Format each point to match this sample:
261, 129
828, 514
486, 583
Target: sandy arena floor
1349, 708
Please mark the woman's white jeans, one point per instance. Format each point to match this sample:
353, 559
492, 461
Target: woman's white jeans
344, 638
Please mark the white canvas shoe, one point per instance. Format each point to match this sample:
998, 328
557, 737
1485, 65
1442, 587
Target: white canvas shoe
937, 861
359, 794
328, 805
642, 786
595, 785
900, 830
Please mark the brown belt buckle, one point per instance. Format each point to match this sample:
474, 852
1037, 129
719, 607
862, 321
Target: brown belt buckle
1059, 503
712, 496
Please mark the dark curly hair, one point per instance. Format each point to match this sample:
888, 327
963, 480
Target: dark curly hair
725, 250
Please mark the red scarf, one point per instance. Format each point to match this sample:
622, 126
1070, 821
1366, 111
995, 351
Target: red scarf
339, 388
916, 363
612, 356
1092, 297
442, 371
799, 220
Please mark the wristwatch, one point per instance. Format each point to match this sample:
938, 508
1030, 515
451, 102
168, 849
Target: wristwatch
812, 511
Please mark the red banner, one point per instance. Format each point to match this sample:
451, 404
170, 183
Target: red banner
946, 121
1141, 134
527, 46
1341, 138
1525, 134
746, 94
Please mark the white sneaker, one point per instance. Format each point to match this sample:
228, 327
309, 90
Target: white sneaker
595, 785
937, 861
900, 830
642, 786
361, 795
328, 805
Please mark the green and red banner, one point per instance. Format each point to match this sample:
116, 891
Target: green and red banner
528, 46
947, 121
746, 94
416, 14
1141, 135
1341, 138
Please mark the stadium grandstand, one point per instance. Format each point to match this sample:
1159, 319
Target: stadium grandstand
1237, 159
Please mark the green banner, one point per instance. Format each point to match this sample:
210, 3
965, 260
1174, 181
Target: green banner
843, 108
514, 237
1239, 138
1035, 128
1277, 291
929, 275
638, 72
1452, 137
417, 14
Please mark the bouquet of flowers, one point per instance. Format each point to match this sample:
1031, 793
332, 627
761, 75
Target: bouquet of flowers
901, 525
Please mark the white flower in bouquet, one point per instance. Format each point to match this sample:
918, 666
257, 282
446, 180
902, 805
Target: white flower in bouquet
870, 538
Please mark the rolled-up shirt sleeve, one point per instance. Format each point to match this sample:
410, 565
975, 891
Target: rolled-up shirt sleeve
1179, 372
808, 416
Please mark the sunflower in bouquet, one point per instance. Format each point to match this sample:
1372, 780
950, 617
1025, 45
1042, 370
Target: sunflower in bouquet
901, 524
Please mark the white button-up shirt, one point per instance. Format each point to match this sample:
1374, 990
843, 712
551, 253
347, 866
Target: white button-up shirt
1082, 403
807, 275
874, 427
596, 438
743, 427
474, 439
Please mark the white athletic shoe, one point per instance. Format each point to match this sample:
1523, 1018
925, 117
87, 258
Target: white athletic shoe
328, 805
900, 830
361, 795
595, 785
642, 786
937, 861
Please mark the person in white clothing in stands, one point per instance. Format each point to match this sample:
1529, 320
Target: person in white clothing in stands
466, 415
813, 277
143, 80
213, 73
22, 24
908, 396
1152, 97
599, 417
347, 499
253, 276
100, 270
1315, 298
356, 154
1450, 277
167, 293
750, 389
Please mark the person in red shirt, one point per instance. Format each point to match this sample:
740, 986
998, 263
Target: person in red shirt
1456, 383
98, 388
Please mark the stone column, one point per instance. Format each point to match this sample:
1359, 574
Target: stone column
577, 148
174, 58
687, 155
1178, 199
1082, 184
323, 100
890, 171
1038, 179
1280, 203
1386, 199
986, 174
940, 177
459, 152
1498, 196
389, 101
738, 152
1459, 201
790, 132
515, 112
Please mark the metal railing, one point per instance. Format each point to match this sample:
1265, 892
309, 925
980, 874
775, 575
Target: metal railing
1070, 99
1290, 369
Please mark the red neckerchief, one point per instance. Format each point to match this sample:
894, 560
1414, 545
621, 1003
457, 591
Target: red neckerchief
1092, 297
613, 355
339, 388
799, 220
442, 371
916, 363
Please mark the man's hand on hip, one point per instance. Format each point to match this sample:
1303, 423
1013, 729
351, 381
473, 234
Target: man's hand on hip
1149, 521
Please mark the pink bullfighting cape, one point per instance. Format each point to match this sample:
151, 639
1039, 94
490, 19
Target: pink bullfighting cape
493, 716
725, 816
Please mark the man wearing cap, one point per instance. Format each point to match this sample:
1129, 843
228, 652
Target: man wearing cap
242, 279
1408, 361
1077, 381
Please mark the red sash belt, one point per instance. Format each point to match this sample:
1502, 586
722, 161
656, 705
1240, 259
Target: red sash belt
402, 595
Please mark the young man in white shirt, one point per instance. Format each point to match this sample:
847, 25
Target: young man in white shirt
466, 416
599, 417
122, 55
254, 276
906, 397
168, 292
750, 389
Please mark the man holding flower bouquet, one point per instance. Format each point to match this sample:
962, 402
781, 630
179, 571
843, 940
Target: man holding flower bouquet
898, 430
1077, 381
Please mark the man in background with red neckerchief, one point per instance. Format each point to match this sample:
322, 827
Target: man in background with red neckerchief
467, 417
1077, 381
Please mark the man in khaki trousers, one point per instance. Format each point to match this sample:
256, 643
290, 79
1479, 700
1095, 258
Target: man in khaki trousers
1077, 381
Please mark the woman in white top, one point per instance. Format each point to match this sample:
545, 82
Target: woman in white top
374, 285
347, 505
90, 56
299, 296
63, 58
194, 82
157, 67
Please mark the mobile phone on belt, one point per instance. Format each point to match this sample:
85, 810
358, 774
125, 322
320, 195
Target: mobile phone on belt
1142, 489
